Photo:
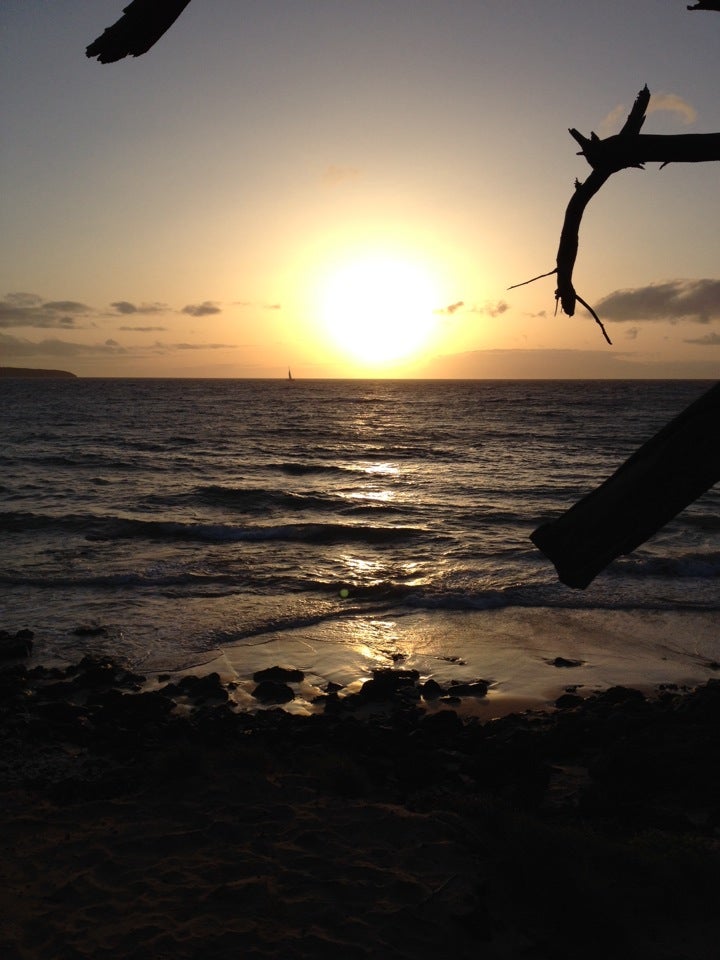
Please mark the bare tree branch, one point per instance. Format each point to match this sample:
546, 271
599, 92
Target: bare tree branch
142, 24
619, 152
584, 192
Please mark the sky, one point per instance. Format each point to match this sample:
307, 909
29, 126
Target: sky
349, 188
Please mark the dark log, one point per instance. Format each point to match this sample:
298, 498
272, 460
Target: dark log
705, 5
658, 481
618, 152
142, 24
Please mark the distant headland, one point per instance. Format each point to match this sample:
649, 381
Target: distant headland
36, 373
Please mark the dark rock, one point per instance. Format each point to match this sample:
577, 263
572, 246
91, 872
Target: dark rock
279, 675
564, 662
271, 691
431, 690
567, 701
62, 690
617, 695
209, 687
131, 709
386, 683
442, 721
101, 672
15, 645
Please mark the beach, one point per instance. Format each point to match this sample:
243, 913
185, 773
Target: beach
153, 817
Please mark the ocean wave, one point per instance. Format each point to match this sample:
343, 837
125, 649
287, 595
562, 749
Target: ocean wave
252, 499
699, 566
316, 533
300, 469
149, 579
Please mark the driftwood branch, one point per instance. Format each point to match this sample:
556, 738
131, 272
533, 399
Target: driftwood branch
659, 480
584, 192
618, 152
705, 5
142, 24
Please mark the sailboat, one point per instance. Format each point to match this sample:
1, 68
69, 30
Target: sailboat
290, 376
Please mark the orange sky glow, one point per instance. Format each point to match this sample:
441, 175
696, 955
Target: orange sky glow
352, 191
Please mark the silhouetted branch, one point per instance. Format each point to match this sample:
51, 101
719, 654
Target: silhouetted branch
659, 480
705, 5
629, 148
584, 192
142, 24
618, 152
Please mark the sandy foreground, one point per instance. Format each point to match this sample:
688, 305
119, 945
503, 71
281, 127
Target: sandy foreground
168, 824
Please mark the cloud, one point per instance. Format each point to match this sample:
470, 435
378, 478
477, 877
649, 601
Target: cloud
144, 329
19, 348
696, 300
200, 346
659, 103
709, 340
452, 308
491, 309
125, 307
204, 309
255, 304
29, 310
672, 103
337, 173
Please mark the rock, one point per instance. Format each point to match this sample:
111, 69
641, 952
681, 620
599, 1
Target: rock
15, 645
209, 687
475, 688
279, 675
567, 701
131, 709
272, 691
386, 684
564, 662
431, 690
100, 672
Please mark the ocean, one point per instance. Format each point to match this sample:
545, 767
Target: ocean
338, 526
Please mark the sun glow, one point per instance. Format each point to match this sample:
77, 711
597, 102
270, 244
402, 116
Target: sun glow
379, 309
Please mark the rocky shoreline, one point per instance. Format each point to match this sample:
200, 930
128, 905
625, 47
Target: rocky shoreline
425, 820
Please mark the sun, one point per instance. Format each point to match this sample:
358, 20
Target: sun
379, 308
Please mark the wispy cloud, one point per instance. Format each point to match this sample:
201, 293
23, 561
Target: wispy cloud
204, 309
144, 329
492, 309
30, 310
672, 103
659, 103
254, 304
709, 340
673, 300
451, 309
489, 309
126, 307
337, 173
19, 348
